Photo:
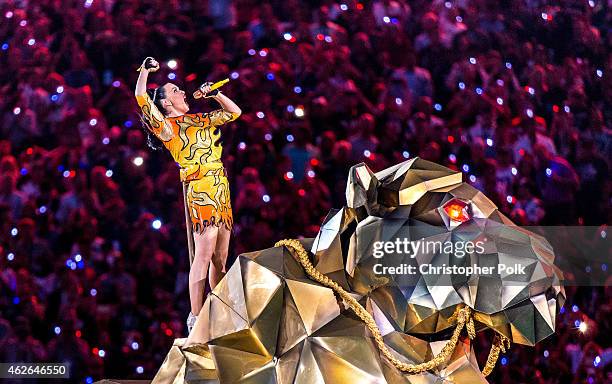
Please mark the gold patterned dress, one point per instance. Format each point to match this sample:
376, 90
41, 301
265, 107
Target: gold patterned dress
193, 142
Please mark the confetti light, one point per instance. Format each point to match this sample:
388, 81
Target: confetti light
252, 52
398, 101
57, 330
23, 171
89, 380
172, 64
472, 178
290, 108
575, 308
268, 136
78, 257
8, 15
270, 76
465, 167
135, 345
105, 141
386, 19
54, 98
504, 361
93, 122
265, 198
367, 153
139, 369
101, 353
591, 3
234, 75
116, 83
138, 161
66, 174
297, 89
566, 109
311, 173
514, 171
448, 5
452, 158
472, 60
242, 146
548, 172
500, 101
461, 85
490, 142
508, 65
17, 111
438, 107
10, 256
5, 46
531, 90
546, 354
299, 112
128, 124
260, 114
23, 23
109, 173
289, 175
59, 89
93, 292
599, 73
88, 3
406, 154
328, 39
156, 224
529, 112
478, 90
343, 7
597, 361
459, 19
31, 42
16, 300
263, 53
287, 36
500, 82
509, 199
290, 138
583, 327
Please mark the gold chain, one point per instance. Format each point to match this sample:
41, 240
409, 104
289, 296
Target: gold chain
463, 316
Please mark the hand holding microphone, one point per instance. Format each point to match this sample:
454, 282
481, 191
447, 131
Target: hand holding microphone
209, 89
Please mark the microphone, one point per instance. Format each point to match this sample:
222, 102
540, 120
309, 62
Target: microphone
198, 94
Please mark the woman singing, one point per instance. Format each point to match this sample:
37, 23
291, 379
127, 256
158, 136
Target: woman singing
193, 142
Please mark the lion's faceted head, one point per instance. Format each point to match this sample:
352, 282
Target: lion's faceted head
421, 200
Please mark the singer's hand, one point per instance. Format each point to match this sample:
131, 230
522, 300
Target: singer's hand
206, 91
150, 64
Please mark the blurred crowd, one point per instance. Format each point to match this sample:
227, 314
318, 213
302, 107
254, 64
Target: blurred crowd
516, 94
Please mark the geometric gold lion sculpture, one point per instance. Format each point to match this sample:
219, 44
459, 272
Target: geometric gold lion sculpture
324, 310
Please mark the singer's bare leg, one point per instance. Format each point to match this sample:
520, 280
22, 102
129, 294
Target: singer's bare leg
205, 244
217, 266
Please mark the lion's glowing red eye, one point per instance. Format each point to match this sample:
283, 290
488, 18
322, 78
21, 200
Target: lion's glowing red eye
457, 210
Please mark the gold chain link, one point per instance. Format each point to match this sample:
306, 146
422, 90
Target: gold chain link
463, 316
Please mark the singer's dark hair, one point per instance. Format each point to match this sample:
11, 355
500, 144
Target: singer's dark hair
155, 94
